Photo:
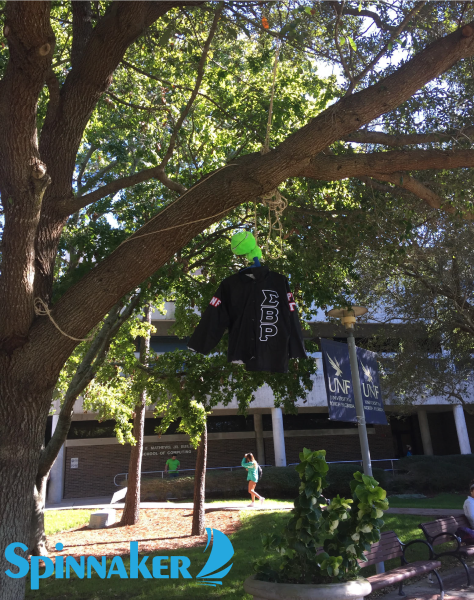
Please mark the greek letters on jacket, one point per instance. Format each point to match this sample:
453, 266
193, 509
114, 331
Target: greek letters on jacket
258, 308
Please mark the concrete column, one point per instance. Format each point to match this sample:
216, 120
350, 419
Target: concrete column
56, 482
425, 432
278, 437
463, 436
257, 425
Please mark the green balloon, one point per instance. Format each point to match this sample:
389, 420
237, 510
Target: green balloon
242, 243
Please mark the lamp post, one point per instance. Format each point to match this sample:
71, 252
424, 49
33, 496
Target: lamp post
348, 319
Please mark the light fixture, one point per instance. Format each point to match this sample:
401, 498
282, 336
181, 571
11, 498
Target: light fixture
348, 315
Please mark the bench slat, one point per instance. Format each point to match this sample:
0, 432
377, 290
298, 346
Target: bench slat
401, 573
445, 525
386, 548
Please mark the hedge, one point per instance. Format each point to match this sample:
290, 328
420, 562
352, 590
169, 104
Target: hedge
276, 482
433, 474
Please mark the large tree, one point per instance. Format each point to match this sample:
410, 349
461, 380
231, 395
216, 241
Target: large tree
406, 65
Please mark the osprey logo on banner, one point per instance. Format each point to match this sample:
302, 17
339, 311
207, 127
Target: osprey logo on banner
370, 387
337, 376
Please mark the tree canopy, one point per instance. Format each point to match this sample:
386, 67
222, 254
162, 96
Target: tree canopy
130, 146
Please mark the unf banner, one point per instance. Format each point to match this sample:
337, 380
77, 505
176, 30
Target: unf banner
370, 387
337, 376
338, 380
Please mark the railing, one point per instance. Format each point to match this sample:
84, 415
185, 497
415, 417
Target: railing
334, 462
181, 471
359, 462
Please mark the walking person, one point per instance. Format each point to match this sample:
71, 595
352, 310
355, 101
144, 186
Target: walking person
249, 463
172, 466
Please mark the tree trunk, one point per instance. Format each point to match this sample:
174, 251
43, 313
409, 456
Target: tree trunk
131, 512
21, 440
200, 486
86, 371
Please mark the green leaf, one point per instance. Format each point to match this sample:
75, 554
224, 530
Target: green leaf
352, 43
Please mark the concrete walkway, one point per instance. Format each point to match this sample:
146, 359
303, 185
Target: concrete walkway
104, 502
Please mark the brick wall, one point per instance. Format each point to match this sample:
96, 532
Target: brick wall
97, 465
338, 447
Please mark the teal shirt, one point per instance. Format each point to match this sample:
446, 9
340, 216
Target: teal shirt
252, 470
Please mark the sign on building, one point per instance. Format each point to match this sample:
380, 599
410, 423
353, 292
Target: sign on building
74, 463
337, 377
370, 387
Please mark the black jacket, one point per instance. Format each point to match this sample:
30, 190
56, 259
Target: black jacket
261, 315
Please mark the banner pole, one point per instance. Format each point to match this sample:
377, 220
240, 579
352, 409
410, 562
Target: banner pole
359, 405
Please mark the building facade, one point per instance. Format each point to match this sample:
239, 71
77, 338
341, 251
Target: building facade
93, 463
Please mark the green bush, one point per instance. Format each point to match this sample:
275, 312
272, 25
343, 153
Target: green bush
340, 477
324, 543
276, 482
433, 474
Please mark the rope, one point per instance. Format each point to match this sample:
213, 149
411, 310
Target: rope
42, 310
135, 237
273, 200
266, 145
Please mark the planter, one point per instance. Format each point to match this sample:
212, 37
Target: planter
266, 590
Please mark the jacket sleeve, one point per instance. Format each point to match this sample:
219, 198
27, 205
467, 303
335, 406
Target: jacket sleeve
212, 325
245, 464
296, 344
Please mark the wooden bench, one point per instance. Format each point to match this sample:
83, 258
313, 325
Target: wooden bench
389, 546
442, 531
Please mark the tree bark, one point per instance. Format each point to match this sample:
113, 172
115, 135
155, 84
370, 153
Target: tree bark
86, 371
22, 438
131, 512
200, 486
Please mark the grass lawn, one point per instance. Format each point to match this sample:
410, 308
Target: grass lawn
62, 520
439, 501
247, 546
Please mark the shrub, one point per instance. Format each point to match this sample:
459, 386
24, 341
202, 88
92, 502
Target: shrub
276, 482
434, 474
339, 478
345, 529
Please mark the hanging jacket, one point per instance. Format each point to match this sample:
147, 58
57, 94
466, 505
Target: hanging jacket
260, 314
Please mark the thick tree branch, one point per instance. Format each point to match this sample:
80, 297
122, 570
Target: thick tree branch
81, 29
84, 304
386, 139
69, 207
120, 26
333, 167
415, 187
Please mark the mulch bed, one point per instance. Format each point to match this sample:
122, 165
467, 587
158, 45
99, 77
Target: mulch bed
157, 530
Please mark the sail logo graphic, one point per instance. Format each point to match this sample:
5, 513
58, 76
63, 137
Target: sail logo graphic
159, 567
221, 553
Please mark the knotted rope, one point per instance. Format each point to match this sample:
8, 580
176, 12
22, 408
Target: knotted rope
41, 309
